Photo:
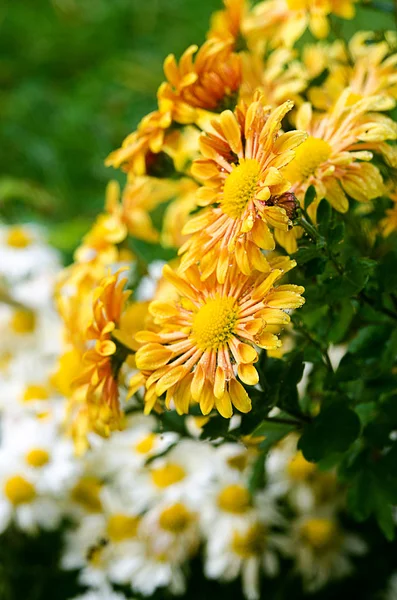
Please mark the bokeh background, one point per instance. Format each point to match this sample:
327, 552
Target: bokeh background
75, 78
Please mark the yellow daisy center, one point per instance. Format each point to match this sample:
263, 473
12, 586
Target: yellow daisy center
121, 527
308, 157
86, 493
250, 543
171, 473
22, 321
238, 462
146, 444
37, 457
319, 533
176, 518
35, 392
17, 237
240, 187
234, 499
299, 469
19, 491
214, 324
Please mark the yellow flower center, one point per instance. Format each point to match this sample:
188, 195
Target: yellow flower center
299, 469
17, 237
19, 491
250, 543
234, 499
308, 157
171, 473
122, 527
86, 493
238, 462
319, 533
146, 444
22, 321
240, 187
35, 392
214, 324
176, 518
38, 457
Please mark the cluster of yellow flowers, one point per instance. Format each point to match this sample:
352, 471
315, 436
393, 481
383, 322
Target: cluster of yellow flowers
222, 154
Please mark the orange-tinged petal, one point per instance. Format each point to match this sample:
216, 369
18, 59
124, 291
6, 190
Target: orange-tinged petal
169, 379
220, 382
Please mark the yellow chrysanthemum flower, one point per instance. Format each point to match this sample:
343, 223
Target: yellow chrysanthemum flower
241, 169
283, 22
226, 24
211, 336
367, 67
279, 76
99, 370
193, 87
335, 157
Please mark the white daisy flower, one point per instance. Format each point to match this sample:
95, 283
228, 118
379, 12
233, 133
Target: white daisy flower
290, 474
129, 449
249, 550
47, 456
24, 252
321, 548
20, 500
183, 473
105, 592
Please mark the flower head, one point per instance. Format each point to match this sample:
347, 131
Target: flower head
241, 169
99, 401
193, 87
336, 156
211, 336
283, 22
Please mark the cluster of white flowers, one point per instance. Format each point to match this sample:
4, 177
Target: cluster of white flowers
141, 504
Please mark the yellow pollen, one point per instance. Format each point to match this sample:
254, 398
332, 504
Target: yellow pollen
308, 157
86, 493
35, 392
234, 499
19, 491
38, 457
319, 533
122, 527
176, 518
146, 444
240, 187
250, 543
299, 469
17, 237
22, 321
214, 324
163, 477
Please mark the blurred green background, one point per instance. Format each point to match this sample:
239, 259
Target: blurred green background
75, 78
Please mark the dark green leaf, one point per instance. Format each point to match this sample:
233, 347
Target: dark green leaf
333, 430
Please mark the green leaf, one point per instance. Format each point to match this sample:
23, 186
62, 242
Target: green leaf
258, 474
273, 433
310, 196
333, 430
